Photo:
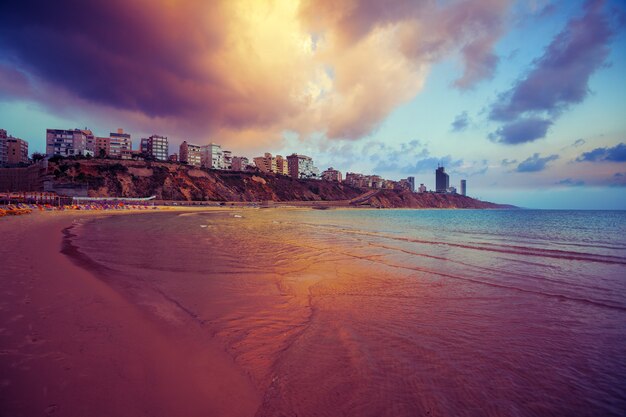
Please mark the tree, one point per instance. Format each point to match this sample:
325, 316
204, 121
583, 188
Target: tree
36, 157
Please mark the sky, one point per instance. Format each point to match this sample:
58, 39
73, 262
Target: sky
526, 99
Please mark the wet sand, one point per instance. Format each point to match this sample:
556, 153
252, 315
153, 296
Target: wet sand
70, 345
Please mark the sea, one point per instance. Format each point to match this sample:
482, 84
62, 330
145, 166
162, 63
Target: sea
387, 312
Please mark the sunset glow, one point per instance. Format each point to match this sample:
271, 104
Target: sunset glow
480, 85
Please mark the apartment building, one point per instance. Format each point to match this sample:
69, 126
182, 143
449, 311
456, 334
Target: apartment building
118, 143
155, 146
240, 163
190, 154
17, 151
211, 156
282, 165
228, 159
3, 146
265, 163
301, 166
331, 174
102, 147
64, 142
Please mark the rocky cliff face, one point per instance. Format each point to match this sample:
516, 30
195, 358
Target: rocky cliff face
171, 181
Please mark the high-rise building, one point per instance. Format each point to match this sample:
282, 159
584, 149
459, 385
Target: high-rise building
240, 163
64, 142
463, 187
301, 166
17, 151
282, 165
190, 154
411, 181
3, 147
331, 174
265, 163
442, 180
155, 146
118, 142
211, 156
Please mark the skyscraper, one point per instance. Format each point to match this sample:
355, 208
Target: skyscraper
463, 187
411, 181
442, 180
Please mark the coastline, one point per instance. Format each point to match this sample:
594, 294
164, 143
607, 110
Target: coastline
73, 346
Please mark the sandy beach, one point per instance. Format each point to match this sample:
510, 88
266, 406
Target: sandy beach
72, 346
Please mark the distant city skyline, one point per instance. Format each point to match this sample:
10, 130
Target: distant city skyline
524, 99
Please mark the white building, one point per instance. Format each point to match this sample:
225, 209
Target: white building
212, 156
301, 166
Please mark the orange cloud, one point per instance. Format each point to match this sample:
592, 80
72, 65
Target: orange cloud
198, 69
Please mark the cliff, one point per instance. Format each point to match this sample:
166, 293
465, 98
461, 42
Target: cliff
407, 199
172, 181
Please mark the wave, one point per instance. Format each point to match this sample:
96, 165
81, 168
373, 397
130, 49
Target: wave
489, 247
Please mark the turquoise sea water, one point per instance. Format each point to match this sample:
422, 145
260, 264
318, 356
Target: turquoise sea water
390, 312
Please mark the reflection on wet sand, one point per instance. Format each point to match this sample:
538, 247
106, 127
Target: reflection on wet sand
335, 319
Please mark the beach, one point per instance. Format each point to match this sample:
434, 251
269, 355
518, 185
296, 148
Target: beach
244, 312
72, 346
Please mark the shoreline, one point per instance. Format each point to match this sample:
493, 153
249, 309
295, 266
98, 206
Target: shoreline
72, 345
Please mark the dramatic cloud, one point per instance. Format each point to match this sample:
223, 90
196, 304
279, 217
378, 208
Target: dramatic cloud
535, 163
615, 154
460, 122
508, 162
261, 67
520, 131
557, 80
